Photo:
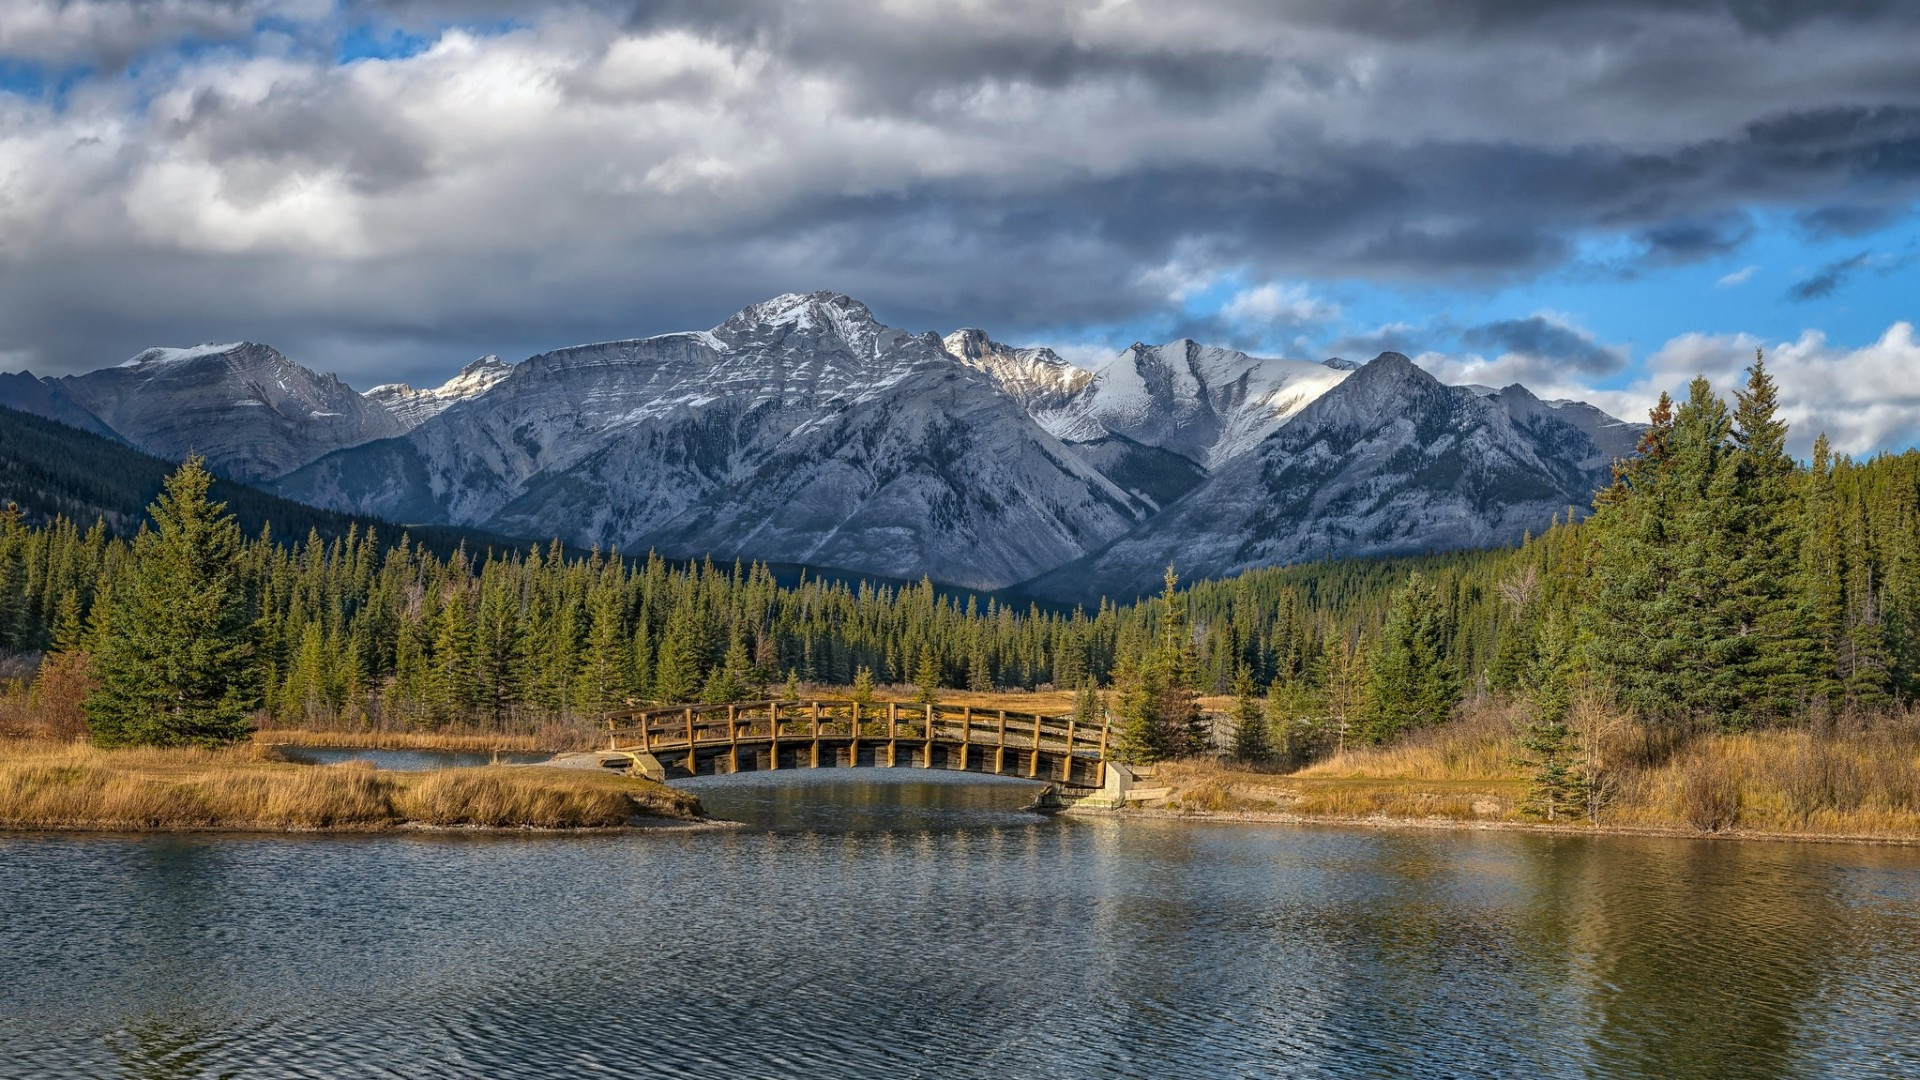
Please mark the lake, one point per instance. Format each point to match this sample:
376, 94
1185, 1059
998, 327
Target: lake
869, 923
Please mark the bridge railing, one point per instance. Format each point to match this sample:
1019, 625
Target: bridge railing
685, 727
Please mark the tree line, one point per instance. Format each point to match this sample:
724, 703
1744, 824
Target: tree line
1716, 582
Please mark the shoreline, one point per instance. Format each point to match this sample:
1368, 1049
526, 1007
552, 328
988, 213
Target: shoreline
1277, 817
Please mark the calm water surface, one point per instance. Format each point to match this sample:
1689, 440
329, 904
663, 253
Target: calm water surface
403, 760
878, 924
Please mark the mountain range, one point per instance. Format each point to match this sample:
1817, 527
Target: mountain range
802, 430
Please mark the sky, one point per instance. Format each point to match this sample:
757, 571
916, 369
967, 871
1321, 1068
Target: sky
1597, 198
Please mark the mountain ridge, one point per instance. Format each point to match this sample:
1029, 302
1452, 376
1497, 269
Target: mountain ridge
803, 430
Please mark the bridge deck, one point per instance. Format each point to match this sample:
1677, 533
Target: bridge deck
692, 739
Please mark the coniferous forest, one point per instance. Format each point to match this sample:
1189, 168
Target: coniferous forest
1717, 584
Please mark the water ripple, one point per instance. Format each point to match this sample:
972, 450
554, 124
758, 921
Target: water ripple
919, 926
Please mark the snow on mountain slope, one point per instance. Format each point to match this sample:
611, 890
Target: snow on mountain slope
799, 430
1389, 461
251, 412
1206, 404
413, 407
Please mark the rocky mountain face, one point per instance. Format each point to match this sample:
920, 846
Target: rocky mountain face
1390, 461
802, 430
251, 412
414, 407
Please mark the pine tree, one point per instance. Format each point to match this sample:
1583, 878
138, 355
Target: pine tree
927, 678
602, 683
863, 686
1138, 695
732, 679
677, 671
1556, 784
1411, 680
791, 691
453, 686
175, 667
1782, 658
1088, 710
1251, 741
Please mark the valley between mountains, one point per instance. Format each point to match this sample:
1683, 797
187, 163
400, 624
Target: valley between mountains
803, 430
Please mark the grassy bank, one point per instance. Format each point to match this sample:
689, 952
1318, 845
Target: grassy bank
466, 741
61, 785
1849, 782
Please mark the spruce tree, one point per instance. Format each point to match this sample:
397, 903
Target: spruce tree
1411, 679
175, 667
927, 677
863, 686
1783, 654
1252, 744
732, 680
1556, 785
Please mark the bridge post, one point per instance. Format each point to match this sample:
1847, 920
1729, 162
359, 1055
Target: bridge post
893, 730
773, 735
693, 761
815, 762
926, 752
1000, 752
1066, 769
966, 734
611, 741
853, 746
733, 738
1033, 764
1100, 777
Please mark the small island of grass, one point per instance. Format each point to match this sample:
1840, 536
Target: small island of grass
46, 784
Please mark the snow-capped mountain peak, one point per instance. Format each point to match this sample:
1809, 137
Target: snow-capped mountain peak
413, 407
175, 356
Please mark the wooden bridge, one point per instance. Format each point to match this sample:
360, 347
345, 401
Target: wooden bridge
691, 740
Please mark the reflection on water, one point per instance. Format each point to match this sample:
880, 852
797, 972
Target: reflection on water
881, 924
403, 760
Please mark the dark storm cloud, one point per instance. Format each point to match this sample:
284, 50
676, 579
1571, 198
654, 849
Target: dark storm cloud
612, 167
1828, 278
1539, 337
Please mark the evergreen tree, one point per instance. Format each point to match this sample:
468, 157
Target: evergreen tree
1556, 785
602, 683
1138, 694
927, 678
175, 667
1411, 681
1782, 655
732, 680
863, 686
677, 671
1251, 742
1088, 710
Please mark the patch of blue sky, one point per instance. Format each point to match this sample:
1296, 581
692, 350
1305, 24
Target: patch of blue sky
38, 82
387, 41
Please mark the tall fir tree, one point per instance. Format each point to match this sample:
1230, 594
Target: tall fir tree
175, 666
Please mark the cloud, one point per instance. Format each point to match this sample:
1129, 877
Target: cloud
1828, 278
1865, 399
1275, 305
602, 168
1541, 350
1737, 277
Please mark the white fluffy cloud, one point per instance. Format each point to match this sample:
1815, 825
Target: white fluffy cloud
1865, 399
601, 168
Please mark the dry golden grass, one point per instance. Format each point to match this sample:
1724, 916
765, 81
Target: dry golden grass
1860, 781
414, 740
1477, 746
1366, 791
54, 785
